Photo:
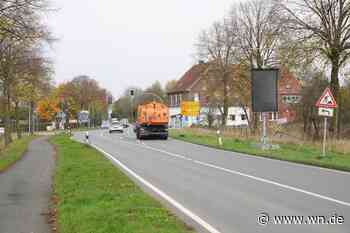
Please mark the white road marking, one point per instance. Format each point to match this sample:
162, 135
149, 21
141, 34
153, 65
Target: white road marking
246, 175
243, 174
274, 183
166, 197
241, 154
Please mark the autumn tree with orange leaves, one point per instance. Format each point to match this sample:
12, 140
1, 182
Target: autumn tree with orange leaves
47, 109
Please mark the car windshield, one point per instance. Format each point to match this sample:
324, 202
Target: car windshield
115, 123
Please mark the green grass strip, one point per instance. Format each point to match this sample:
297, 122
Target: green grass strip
13, 152
96, 197
288, 152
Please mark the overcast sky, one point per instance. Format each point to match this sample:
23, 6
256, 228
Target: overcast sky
131, 42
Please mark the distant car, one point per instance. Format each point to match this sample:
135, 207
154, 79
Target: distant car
116, 127
105, 125
125, 122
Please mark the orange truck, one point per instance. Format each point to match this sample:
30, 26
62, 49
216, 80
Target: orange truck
152, 121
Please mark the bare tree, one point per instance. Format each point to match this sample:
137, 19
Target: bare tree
218, 46
327, 24
19, 19
259, 31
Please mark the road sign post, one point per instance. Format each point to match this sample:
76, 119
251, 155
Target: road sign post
326, 105
324, 137
264, 90
264, 133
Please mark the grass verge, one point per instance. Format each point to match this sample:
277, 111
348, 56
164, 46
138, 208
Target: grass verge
13, 152
289, 152
94, 196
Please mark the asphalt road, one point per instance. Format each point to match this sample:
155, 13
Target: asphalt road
25, 191
226, 192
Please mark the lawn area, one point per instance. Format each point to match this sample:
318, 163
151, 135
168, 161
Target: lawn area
305, 154
13, 152
94, 196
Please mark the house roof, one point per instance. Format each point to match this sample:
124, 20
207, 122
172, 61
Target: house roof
189, 79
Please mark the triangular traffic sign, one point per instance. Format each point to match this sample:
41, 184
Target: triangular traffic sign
327, 100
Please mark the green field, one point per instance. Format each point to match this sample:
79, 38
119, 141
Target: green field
95, 197
289, 152
13, 152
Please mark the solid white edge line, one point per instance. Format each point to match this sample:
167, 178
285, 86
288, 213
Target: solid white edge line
166, 197
275, 183
144, 145
251, 177
241, 154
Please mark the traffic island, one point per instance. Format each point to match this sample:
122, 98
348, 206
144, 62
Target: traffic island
92, 195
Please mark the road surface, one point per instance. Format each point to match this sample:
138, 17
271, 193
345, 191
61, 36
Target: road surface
224, 192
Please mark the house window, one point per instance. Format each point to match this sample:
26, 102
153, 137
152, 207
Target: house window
273, 116
196, 97
291, 99
174, 100
243, 117
171, 100
232, 117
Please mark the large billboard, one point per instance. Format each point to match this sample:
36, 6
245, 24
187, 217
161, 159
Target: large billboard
265, 90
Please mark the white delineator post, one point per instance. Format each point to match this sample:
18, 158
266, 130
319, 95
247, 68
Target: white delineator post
87, 137
219, 138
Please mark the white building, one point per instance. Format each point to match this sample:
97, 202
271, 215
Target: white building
190, 88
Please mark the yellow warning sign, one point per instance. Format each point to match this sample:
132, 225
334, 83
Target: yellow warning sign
190, 108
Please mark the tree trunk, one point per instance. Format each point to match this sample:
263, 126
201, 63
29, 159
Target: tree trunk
339, 115
334, 128
305, 120
248, 117
317, 131
31, 118
18, 126
8, 131
255, 123
225, 113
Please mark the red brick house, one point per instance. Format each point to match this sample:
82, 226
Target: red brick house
289, 88
190, 88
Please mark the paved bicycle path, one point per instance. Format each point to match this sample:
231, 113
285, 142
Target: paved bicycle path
25, 191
